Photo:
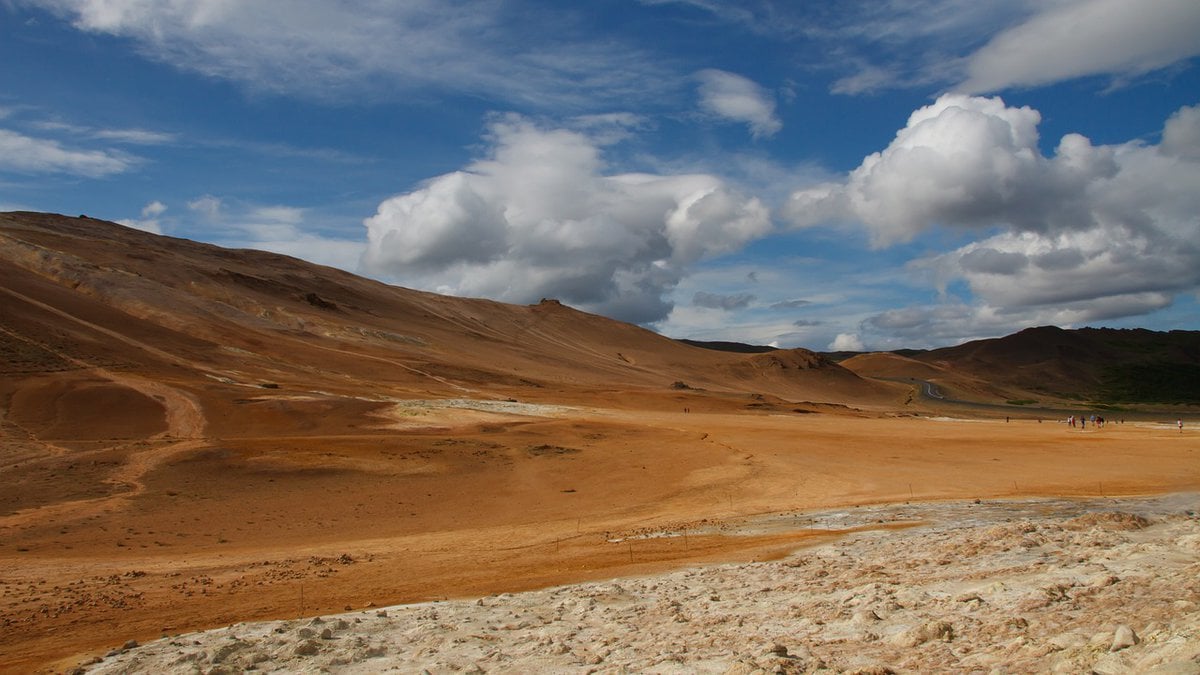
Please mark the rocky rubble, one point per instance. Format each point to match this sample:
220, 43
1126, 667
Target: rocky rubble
1101, 586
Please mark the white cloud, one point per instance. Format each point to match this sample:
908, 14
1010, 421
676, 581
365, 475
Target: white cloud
207, 206
1090, 233
539, 217
868, 78
135, 136
149, 221
153, 209
128, 136
738, 99
327, 50
25, 154
962, 161
1181, 134
277, 228
847, 342
1073, 39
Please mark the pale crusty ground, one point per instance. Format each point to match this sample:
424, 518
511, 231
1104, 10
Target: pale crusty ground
992, 586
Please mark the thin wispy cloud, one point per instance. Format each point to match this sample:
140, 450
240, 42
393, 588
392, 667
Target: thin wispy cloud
1087, 37
738, 99
722, 302
377, 50
32, 155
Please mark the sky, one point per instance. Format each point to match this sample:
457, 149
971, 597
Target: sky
828, 174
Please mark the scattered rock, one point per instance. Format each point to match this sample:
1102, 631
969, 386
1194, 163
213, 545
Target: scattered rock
865, 616
994, 605
1108, 520
1123, 638
932, 631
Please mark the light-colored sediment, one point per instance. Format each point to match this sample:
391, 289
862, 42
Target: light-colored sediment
1099, 585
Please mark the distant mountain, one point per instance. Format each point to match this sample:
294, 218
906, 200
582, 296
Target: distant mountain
735, 347
1095, 364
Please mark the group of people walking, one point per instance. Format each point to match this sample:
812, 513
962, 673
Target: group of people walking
1097, 421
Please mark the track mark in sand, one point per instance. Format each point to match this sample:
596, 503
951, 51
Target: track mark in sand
182, 412
398, 364
185, 425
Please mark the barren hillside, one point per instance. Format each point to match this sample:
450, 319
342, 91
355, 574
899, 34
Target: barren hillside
192, 436
151, 302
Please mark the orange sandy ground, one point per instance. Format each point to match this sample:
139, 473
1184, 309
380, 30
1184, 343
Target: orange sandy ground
192, 534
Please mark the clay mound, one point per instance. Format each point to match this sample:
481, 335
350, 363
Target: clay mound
888, 365
80, 407
801, 374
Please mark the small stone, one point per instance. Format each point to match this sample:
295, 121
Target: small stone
865, 616
934, 630
778, 650
326, 634
1124, 638
307, 648
745, 666
130, 644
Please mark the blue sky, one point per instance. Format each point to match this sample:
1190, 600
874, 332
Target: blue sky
829, 175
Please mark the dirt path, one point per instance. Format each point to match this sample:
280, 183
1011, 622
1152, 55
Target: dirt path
183, 414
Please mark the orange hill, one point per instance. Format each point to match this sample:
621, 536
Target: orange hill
79, 288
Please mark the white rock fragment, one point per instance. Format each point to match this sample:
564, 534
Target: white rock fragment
1123, 638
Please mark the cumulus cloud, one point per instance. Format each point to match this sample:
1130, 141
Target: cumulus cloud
847, 342
539, 217
1086, 234
738, 99
722, 302
149, 221
1086, 37
960, 161
26, 154
1181, 134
